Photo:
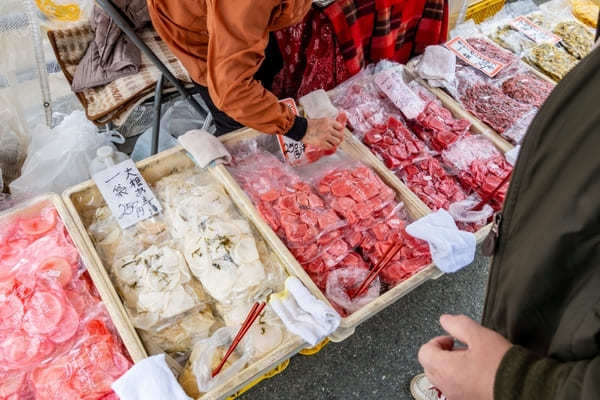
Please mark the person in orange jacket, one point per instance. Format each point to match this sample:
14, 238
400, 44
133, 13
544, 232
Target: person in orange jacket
229, 50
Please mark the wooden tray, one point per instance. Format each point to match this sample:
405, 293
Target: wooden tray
82, 201
414, 206
107, 292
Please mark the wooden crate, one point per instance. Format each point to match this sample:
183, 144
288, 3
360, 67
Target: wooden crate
414, 206
105, 289
82, 201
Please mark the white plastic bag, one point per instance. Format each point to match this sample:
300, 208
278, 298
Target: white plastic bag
13, 139
208, 352
59, 158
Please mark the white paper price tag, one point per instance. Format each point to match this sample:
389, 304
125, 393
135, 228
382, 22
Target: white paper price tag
293, 151
471, 56
127, 194
534, 31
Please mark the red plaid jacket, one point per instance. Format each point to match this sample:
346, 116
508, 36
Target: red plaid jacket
372, 30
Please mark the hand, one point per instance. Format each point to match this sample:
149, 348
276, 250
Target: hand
464, 373
324, 133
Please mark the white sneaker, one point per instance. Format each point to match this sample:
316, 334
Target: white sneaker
422, 389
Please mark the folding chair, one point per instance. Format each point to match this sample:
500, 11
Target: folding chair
126, 26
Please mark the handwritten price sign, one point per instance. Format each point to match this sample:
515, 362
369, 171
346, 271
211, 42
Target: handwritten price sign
468, 54
127, 194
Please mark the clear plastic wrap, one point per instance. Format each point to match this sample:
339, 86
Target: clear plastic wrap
395, 144
511, 39
493, 107
391, 83
527, 88
436, 187
364, 208
291, 207
207, 255
576, 38
364, 104
438, 128
149, 272
375, 219
551, 60
484, 96
464, 211
56, 338
479, 166
206, 355
344, 281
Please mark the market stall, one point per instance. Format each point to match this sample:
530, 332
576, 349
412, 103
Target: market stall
228, 256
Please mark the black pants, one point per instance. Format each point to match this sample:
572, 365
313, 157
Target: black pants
270, 67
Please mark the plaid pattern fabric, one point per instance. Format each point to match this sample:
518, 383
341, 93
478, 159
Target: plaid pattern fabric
373, 30
114, 101
312, 58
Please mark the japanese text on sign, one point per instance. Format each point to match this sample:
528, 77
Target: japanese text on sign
468, 54
127, 193
533, 31
293, 151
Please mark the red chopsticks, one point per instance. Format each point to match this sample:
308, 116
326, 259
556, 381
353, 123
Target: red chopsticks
492, 194
392, 251
255, 311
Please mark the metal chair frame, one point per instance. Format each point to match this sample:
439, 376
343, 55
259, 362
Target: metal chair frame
127, 27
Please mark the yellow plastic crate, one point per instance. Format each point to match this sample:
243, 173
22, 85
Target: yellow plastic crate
314, 350
483, 10
275, 371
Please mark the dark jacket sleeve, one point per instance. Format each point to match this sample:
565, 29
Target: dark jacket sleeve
523, 375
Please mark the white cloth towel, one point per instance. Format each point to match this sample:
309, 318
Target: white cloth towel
150, 379
318, 105
451, 249
303, 314
204, 147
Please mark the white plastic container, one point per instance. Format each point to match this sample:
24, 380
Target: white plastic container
106, 156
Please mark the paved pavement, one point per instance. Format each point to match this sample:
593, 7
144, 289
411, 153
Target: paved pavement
379, 360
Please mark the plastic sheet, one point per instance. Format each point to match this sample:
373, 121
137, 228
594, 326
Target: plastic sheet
59, 158
436, 188
511, 39
551, 60
375, 220
395, 144
361, 212
206, 355
204, 252
438, 128
492, 106
56, 338
364, 104
479, 166
344, 281
391, 82
292, 208
528, 89
576, 38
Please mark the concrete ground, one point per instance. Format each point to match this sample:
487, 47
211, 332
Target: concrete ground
380, 359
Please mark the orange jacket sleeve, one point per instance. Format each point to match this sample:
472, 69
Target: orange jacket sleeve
238, 36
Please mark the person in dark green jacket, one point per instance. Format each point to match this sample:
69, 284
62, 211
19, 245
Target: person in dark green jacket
540, 334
